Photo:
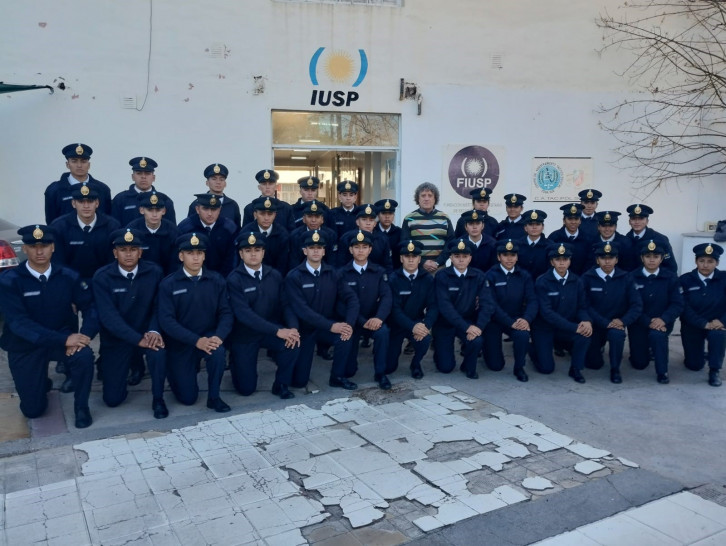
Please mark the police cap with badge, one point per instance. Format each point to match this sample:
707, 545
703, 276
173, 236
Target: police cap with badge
590, 195
208, 200
312, 207
249, 239
563, 250
216, 169
507, 247
460, 246
386, 205
605, 250
313, 238
651, 247
480, 194
82, 151
514, 200
367, 210
473, 216
708, 250
127, 237
571, 210
266, 175
150, 200
607, 217
534, 216
37, 234
83, 192
361, 238
265, 203
192, 241
347, 185
639, 211
411, 247
309, 182
143, 164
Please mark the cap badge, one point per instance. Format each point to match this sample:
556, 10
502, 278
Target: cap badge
128, 236
310, 181
387, 204
533, 216
513, 199
143, 162
85, 190
347, 185
637, 209
589, 194
268, 203
411, 247
212, 200
216, 169
369, 210
266, 176
313, 207
607, 217
37, 233
251, 239
561, 250
573, 209
608, 249
474, 215
461, 245
153, 199
79, 150
709, 249
316, 237
194, 241
509, 245
360, 236
651, 246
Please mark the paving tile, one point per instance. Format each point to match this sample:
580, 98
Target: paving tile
427, 523
177, 475
363, 459
676, 521
237, 462
700, 506
454, 510
509, 495
388, 429
226, 528
573, 538
537, 484
320, 470
390, 483
624, 530
41, 503
268, 520
719, 539
588, 467
587, 451
67, 530
443, 389
512, 449
483, 503
123, 518
289, 538
406, 450
628, 463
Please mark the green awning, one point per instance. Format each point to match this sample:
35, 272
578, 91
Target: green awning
12, 88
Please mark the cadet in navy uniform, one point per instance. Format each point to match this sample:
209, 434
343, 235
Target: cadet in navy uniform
125, 293
613, 304
276, 237
342, 218
216, 175
484, 255
512, 227
465, 308
562, 315
58, 194
327, 309
589, 200
640, 231
125, 207
386, 214
480, 203
312, 220
267, 184
368, 281
220, 232
158, 233
196, 318
571, 233
660, 291
365, 220
515, 308
414, 310
533, 248
308, 192
704, 315
607, 225
262, 319
39, 302
83, 237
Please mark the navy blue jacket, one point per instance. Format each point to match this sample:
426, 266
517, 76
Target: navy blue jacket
127, 308
372, 290
189, 310
297, 256
702, 305
513, 295
230, 209
380, 253
661, 295
616, 298
284, 217
83, 252
490, 226
510, 230
58, 197
588, 227
627, 258
222, 252
159, 247
533, 258
320, 301
464, 300
342, 221
299, 206
42, 315
394, 241
125, 206
485, 255
259, 306
412, 302
562, 307
277, 246
669, 259
581, 248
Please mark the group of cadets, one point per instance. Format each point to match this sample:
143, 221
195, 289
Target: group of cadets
224, 283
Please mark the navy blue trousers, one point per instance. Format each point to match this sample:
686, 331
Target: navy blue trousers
380, 339
395, 344
444, 349
243, 362
616, 345
694, 340
493, 353
543, 340
341, 351
118, 357
182, 371
641, 339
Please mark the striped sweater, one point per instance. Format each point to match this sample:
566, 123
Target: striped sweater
432, 229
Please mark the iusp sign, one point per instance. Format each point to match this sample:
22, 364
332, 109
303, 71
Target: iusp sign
471, 168
340, 72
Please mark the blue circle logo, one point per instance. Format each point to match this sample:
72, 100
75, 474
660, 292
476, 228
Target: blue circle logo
548, 177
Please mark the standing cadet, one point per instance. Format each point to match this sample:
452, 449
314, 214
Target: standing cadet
515, 308
366, 221
220, 232
640, 231
480, 203
613, 304
465, 308
660, 291
39, 302
125, 207
58, 194
562, 315
342, 218
534, 247
589, 200
216, 175
414, 310
570, 233
158, 233
704, 315
429, 226
368, 281
262, 319
484, 255
607, 225
308, 192
512, 227
317, 293
125, 293
386, 214
196, 318
312, 220
267, 184
277, 239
